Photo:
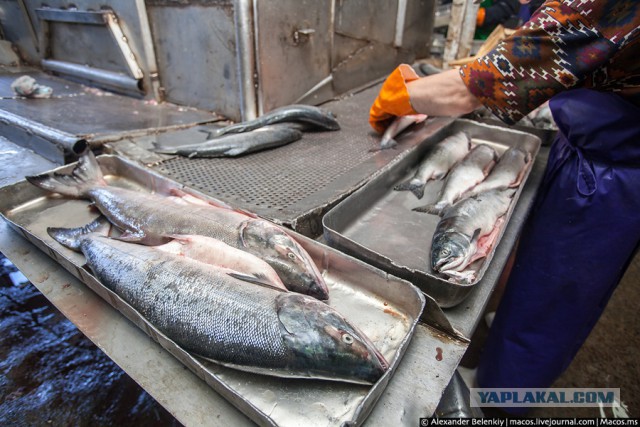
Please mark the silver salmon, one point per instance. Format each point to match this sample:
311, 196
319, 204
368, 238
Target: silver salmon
316, 118
214, 252
396, 127
437, 163
214, 313
507, 173
235, 145
151, 218
457, 242
470, 171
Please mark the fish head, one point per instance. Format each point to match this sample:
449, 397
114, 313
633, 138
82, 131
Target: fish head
450, 251
293, 264
325, 344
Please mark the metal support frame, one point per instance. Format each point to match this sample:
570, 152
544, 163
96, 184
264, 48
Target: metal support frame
246, 31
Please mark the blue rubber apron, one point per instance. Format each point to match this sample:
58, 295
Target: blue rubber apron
580, 237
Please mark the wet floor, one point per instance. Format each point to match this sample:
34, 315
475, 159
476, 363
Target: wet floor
51, 374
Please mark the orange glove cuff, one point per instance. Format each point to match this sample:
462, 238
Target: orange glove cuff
393, 99
482, 14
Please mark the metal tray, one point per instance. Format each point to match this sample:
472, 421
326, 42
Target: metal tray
384, 307
377, 224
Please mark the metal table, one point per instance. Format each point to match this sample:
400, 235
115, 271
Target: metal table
413, 392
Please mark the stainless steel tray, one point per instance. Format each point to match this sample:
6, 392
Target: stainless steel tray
377, 224
384, 307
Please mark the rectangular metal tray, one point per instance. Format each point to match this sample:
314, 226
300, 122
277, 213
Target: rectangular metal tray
386, 308
377, 224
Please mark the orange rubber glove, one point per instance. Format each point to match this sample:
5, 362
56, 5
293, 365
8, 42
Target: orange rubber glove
393, 99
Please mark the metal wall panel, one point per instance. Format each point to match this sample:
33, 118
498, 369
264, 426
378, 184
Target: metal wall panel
195, 46
79, 43
418, 27
17, 29
293, 48
128, 18
367, 20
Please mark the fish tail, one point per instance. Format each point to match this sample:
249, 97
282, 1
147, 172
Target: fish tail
417, 188
72, 237
388, 143
157, 148
436, 209
85, 176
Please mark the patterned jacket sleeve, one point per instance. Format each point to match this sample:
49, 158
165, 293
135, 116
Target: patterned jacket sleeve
558, 49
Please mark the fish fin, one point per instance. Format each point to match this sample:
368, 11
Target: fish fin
256, 279
157, 148
436, 209
462, 277
423, 209
403, 186
391, 143
519, 178
85, 176
417, 190
143, 238
476, 235
439, 175
72, 237
235, 152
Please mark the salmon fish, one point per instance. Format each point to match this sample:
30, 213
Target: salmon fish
463, 234
235, 145
506, 174
314, 117
150, 218
396, 127
221, 315
437, 163
470, 171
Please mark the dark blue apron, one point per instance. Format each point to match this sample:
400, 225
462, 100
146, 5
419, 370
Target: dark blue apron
581, 235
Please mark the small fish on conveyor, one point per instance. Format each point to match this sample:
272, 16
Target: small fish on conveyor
396, 127
467, 231
234, 145
470, 171
508, 173
437, 162
150, 218
221, 315
316, 118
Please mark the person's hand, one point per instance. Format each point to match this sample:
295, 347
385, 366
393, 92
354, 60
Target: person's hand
393, 99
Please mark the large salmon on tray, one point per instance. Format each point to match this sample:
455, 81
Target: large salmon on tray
225, 316
150, 218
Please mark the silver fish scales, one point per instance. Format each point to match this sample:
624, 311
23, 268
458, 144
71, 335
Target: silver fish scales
214, 313
149, 218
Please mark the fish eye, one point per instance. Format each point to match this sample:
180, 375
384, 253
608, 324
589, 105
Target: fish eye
446, 252
291, 256
347, 339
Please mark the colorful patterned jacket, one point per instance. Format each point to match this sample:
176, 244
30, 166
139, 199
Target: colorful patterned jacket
566, 44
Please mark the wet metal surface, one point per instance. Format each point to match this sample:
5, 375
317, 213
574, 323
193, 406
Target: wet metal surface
294, 184
402, 240
76, 112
